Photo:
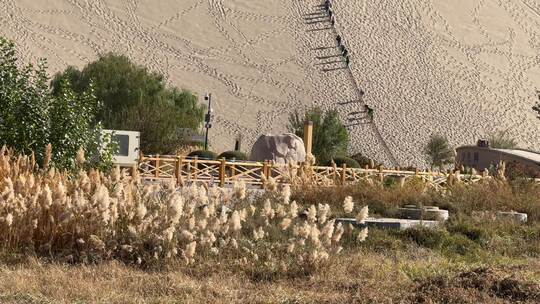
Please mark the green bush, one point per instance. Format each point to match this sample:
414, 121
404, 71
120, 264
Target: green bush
203, 154
330, 136
340, 160
363, 160
236, 155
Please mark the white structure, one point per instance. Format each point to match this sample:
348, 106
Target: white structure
128, 146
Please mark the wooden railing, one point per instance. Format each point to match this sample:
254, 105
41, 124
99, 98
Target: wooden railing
222, 172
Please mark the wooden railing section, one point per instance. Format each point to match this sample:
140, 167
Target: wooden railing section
222, 172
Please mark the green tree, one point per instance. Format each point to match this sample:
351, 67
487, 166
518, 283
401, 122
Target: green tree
501, 140
157, 126
136, 99
31, 117
23, 94
438, 151
73, 126
330, 137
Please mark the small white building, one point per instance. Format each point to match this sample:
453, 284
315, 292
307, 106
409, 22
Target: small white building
128, 147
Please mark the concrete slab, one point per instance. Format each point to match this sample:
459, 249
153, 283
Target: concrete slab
389, 223
516, 216
507, 215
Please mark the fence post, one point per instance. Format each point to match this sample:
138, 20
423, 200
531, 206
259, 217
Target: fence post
308, 136
270, 166
141, 156
381, 174
156, 173
179, 166
139, 164
188, 170
402, 181
264, 170
232, 169
222, 173
195, 168
343, 174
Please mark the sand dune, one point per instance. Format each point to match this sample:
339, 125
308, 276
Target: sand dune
461, 67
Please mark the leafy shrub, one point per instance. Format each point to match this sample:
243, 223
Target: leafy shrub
340, 160
330, 136
364, 161
230, 155
204, 154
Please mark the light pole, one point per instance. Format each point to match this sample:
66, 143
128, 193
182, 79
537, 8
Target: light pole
207, 119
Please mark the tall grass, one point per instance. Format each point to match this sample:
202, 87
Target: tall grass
93, 216
490, 195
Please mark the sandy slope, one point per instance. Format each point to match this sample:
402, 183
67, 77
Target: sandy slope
460, 67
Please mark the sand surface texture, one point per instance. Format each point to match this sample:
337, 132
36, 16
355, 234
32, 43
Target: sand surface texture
462, 68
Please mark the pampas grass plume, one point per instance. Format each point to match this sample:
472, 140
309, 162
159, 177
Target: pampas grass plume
348, 204
362, 235
362, 215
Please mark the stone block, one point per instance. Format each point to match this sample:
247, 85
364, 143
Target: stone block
430, 213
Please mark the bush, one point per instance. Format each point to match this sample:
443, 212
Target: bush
340, 160
236, 155
363, 160
203, 154
330, 136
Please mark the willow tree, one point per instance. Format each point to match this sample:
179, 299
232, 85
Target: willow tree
137, 99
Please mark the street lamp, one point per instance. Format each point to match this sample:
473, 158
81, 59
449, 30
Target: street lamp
207, 119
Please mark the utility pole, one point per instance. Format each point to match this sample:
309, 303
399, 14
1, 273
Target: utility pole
207, 119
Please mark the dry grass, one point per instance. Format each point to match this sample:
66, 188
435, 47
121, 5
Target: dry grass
93, 217
137, 243
352, 278
489, 195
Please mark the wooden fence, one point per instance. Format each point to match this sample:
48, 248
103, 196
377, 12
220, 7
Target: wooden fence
222, 172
